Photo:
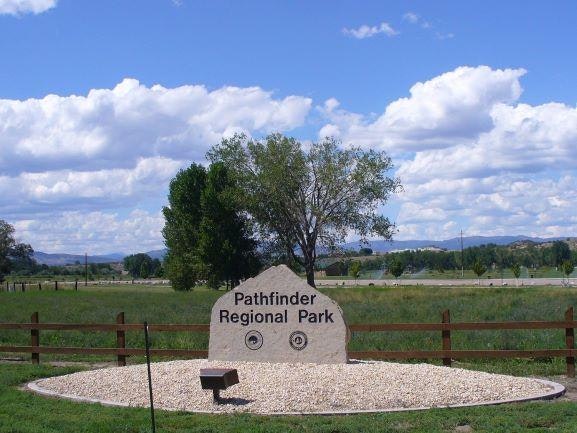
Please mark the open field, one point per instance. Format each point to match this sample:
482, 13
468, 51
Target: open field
23, 412
157, 304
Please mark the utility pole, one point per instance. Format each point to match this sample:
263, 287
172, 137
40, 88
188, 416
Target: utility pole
462, 262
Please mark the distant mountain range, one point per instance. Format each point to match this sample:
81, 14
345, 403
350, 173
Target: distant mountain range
377, 246
449, 244
71, 259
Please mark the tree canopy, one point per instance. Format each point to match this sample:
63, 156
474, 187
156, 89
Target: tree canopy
355, 269
141, 265
225, 244
303, 198
568, 268
12, 253
207, 236
397, 268
528, 255
182, 219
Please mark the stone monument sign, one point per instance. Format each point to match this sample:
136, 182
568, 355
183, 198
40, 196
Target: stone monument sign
277, 317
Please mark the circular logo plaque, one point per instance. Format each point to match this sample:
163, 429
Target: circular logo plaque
298, 340
253, 340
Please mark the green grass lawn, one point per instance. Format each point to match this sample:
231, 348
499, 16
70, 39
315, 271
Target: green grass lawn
23, 412
360, 304
101, 304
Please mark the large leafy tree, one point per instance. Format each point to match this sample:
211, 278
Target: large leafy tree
183, 215
307, 197
225, 245
207, 236
560, 252
141, 265
12, 253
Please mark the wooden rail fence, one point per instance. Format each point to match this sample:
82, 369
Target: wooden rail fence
445, 327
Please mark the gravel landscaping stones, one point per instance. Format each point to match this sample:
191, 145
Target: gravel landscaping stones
297, 388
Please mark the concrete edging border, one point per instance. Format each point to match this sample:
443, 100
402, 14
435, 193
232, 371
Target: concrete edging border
557, 391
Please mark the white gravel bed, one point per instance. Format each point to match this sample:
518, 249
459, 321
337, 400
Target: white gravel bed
296, 388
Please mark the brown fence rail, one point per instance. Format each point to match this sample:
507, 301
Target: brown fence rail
447, 354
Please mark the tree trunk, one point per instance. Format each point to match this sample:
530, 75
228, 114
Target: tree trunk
309, 263
310, 275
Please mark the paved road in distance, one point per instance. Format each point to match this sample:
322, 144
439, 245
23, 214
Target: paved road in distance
452, 282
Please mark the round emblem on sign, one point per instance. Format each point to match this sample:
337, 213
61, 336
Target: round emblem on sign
298, 340
253, 340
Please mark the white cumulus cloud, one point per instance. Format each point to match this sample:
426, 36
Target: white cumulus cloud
115, 127
69, 189
469, 153
471, 156
18, 7
494, 206
63, 158
524, 139
93, 232
447, 109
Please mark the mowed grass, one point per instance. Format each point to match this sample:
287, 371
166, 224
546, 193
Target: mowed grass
485, 304
157, 304
101, 304
22, 412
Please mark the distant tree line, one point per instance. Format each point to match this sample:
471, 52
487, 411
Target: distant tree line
478, 259
528, 255
16, 259
95, 270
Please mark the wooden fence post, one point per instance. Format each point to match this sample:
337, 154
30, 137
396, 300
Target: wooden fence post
39, 286
56, 285
446, 334
120, 340
76, 285
570, 343
35, 338
23, 287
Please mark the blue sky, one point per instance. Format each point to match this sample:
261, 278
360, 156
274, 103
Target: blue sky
101, 102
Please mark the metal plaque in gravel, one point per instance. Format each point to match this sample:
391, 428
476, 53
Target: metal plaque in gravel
277, 317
